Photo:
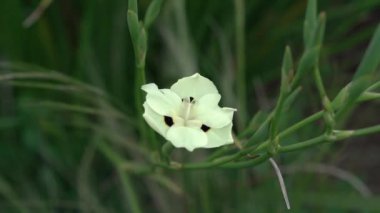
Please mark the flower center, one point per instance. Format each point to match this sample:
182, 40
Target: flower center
188, 104
186, 117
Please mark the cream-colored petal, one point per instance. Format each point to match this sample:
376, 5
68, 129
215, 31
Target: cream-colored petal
229, 111
219, 137
194, 123
194, 86
186, 137
155, 120
214, 117
151, 87
209, 100
209, 113
164, 101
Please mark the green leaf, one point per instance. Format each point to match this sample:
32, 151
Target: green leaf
341, 98
310, 23
307, 61
132, 6
261, 131
320, 31
286, 70
134, 26
254, 124
152, 13
371, 57
364, 74
287, 66
142, 47
290, 99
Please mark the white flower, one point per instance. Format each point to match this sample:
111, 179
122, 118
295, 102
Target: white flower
188, 114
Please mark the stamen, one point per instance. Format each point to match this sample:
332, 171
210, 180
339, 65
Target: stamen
205, 128
168, 121
187, 105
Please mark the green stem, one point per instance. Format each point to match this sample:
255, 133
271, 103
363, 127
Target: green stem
301, 124
304, 144
319, 82
323, 138
368, 96
240, 50
295, 127
273, 138
166, 151
292, 129
366, 131
128, 187
116, 159
374, 86
282, 134
218, 152
139, 81
329, 111
259, 132
223, 162
129, 191
311, 118
249, 163
206, 165
9, 196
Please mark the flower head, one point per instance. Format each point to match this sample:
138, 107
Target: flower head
188, 114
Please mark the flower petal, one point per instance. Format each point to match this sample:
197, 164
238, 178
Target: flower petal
151, 87
219, 137
189, 138
194, 86
164, 101
214, 117
209, 100
155, 120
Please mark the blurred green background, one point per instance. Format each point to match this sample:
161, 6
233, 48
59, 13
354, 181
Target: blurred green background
49, 130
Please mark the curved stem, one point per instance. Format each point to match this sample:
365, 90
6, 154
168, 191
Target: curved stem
254, 162
301, 124
366, 131
323, 138
304, 144
281, 181
225, 162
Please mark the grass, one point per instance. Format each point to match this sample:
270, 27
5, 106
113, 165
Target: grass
73, 139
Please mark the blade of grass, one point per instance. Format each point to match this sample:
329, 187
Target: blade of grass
310, 23
7, 192
128, 188
240, 66
364, 74
152, 13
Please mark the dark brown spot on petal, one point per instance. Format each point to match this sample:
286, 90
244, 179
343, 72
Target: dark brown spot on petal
168, 120
205, 128
191, 99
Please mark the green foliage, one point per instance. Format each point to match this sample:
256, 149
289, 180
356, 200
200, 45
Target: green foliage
73, 139
152, 13
363, 77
